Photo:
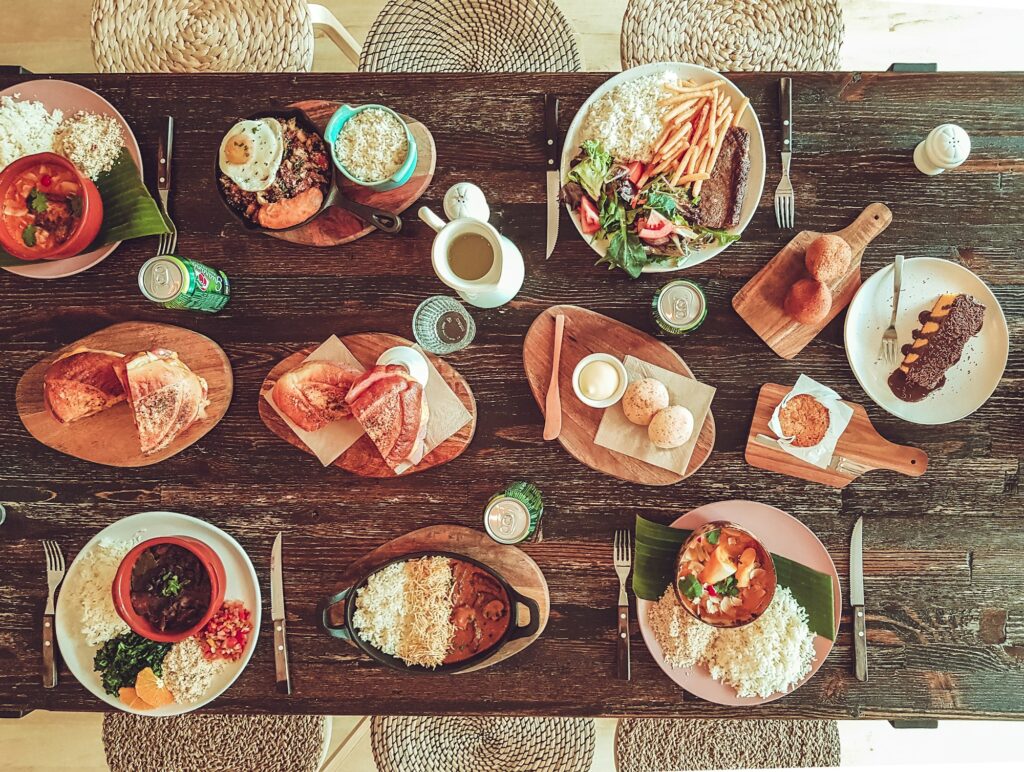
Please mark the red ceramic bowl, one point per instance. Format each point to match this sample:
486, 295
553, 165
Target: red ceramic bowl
122, 588
87, 228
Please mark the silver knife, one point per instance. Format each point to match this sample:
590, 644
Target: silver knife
551, 152
860, 635
163, 166
838, 464
284, 681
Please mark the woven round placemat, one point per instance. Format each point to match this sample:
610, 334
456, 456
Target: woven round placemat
202, 36
648, 744
482, 744
470, 36
734, 35
203, 743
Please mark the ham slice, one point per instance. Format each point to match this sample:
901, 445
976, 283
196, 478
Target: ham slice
82, 383
313, 394
392, 409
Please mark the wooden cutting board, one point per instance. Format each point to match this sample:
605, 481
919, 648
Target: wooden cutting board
335, 226
861, 442
110, 437
759, 301
518, 569
363, 458
587, 332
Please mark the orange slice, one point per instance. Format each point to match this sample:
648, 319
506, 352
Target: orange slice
151, 689
131, 698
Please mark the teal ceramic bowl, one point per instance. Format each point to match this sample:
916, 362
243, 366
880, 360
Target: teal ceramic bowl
404, 172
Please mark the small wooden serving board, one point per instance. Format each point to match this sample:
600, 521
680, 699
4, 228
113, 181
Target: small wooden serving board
514, 565
759, 301
588, 332
335, 226
363, 458
861, 443
110, 437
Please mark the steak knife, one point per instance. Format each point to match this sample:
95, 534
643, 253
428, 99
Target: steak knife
551, 152
284, 682
860, 636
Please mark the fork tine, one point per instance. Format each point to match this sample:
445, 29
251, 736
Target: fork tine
49, 555
789, 211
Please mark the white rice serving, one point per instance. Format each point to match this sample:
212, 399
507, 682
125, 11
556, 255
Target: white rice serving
25, 128
627, 120
90, 597
770, 655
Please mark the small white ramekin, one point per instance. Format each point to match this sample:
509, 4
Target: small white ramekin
619, 368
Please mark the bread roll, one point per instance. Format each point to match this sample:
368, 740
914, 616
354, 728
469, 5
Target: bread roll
808, 301
828, 258
643, 399
671, 427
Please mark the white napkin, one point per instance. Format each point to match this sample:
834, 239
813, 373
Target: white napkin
839, 414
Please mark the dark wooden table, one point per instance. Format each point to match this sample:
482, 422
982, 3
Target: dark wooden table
943, 553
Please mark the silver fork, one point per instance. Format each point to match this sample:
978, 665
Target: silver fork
785, 205
890, 341
168, 241
54, 576
623, 560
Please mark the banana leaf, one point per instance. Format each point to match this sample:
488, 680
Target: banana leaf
654, 569
129, 211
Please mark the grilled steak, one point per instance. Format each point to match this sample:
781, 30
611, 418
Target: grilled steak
722, 196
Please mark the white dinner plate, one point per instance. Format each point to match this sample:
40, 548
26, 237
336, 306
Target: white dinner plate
69, 98
781, 534
242, 585
969, 383
755, 180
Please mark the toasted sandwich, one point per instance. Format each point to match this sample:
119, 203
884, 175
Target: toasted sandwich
82, 383
391, 406
313, 394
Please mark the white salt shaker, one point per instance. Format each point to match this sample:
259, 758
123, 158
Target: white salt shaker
464, 199
946, 147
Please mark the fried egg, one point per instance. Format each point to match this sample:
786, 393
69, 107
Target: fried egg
250, 153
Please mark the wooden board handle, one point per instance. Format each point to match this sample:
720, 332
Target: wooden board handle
873, 220
904, 459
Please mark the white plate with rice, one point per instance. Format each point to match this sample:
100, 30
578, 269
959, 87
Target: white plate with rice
86, 592
644, 129
781, 534
18, 139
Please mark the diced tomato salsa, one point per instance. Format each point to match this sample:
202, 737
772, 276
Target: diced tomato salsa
225, 636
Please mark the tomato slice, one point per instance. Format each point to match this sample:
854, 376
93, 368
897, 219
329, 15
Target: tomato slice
590, 220
636, 171
655, 227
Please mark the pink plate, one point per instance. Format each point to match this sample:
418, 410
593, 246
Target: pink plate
782, 534
69, 98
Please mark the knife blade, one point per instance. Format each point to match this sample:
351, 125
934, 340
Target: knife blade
860, 640
551, 152
284, 682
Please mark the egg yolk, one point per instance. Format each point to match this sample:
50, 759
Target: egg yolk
238, 150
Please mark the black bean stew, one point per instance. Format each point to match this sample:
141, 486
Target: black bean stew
170, 588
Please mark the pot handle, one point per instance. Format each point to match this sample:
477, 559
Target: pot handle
382, 220
531, 627
338, 632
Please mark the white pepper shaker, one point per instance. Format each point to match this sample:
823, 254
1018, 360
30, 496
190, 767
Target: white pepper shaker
464, 199
946, 147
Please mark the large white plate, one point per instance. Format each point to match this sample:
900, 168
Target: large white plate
782, 534
969, 383
242, 585
70, 98
755, 180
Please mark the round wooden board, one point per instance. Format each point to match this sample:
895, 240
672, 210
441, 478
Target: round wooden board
587, 332
363, 458
337, 226
518, 569
110, 437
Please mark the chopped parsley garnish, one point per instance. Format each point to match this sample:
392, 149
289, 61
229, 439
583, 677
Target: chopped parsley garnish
727, 587
37, 201
172, 585
690, 587
28, 236
712, 536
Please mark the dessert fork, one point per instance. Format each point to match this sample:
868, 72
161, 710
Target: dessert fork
890, 341
54, 576
623, 562
168, 241
785, 205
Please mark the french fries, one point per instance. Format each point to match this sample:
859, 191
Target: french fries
693, 132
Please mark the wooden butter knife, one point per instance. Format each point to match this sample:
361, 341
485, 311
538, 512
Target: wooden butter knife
553, 404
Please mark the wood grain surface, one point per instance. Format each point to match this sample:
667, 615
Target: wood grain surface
363, 458
944, 589
515, 566
337, 225
587, 332
110, 437
860, 442
760, 301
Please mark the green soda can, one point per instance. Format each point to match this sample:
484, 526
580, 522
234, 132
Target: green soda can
679, 307
177, 282
513, 515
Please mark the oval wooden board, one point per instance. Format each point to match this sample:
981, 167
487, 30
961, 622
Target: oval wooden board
110, 437
363, 458
759, 301
861, 443
337, 226
518, 569
587, 332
